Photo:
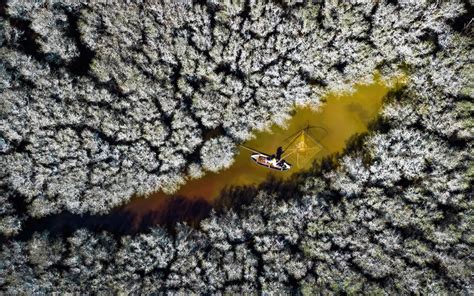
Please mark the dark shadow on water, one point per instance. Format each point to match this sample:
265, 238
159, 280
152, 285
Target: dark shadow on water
66, 223
119, 222
177, 209
235, 197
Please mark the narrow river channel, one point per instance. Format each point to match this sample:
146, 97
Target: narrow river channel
341, 115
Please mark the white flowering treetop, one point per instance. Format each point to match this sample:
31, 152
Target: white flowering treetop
101, 102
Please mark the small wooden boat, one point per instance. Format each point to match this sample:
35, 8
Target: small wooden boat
269, 162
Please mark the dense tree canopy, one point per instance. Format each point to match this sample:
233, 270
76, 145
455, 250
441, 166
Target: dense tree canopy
101, 102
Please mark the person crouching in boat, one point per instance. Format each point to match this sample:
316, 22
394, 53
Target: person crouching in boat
275, 159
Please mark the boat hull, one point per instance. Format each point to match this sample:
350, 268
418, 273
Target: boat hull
262, 159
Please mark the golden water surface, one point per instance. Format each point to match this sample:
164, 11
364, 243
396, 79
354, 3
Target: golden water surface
342, 116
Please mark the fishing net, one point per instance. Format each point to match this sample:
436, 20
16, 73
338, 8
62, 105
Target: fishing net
302, 148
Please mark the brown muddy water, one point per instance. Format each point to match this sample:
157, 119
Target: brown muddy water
341, 115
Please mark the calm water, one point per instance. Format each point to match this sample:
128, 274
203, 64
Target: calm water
342, 116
